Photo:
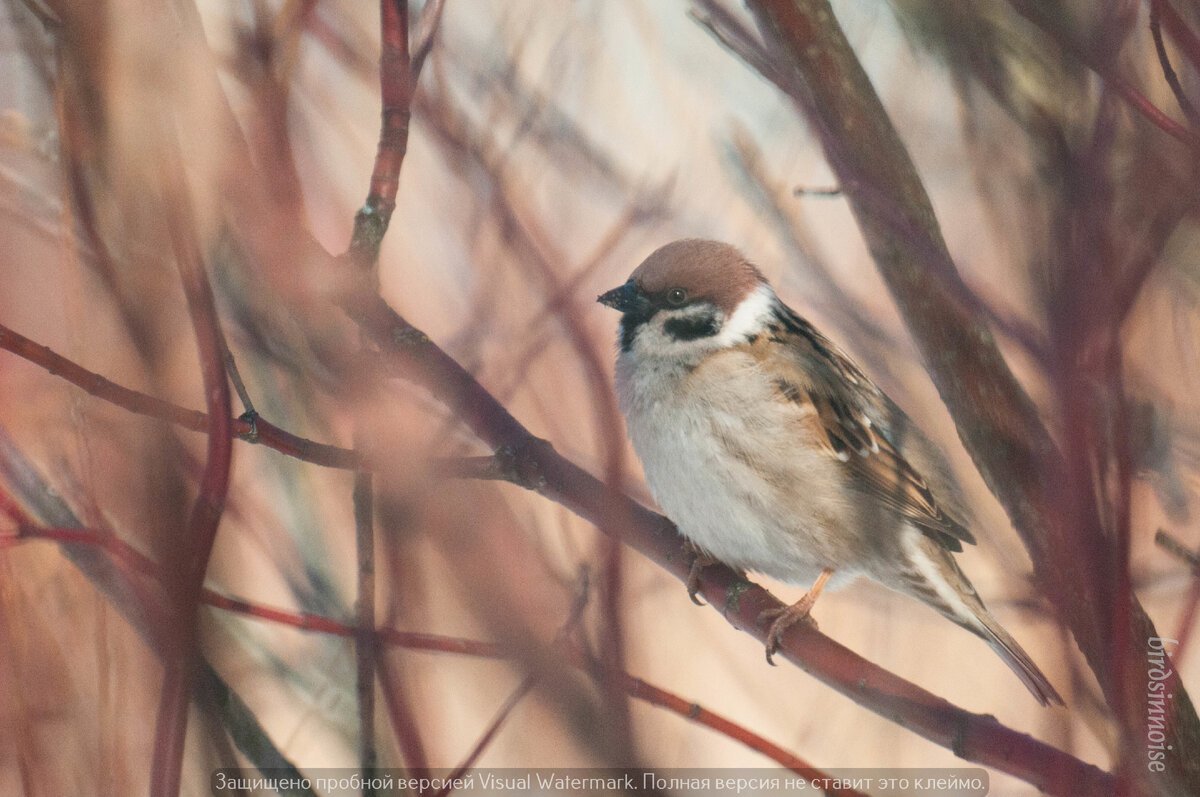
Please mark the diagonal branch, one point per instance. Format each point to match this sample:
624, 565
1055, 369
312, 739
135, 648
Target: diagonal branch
533, 463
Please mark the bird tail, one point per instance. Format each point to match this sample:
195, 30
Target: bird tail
1016, 658
938, 582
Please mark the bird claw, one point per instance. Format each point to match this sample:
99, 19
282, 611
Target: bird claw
700, 560
782, 618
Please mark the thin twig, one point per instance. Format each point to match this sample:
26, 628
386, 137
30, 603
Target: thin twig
489, 733
831, 191
1164, 60
524, 688
734, 36
1178, 30
254, 430
699, 714
235, 377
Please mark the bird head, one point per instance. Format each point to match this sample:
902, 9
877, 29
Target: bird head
689, 297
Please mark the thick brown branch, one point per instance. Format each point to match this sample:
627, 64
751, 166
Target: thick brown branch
997, 421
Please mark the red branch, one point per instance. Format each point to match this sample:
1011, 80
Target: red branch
396, 89
695, 712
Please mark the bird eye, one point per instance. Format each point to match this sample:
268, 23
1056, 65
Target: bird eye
676, 297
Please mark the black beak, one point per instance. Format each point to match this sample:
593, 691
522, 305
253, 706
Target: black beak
627, 298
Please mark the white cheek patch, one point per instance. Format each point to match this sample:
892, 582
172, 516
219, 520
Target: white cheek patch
749, 317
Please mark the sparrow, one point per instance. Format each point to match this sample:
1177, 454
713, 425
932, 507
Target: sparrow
773, 452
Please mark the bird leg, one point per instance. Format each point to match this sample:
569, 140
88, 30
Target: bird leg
699, 561
787, 616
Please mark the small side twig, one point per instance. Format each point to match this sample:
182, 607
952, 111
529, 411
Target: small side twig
249, 429
235, 377
831, 191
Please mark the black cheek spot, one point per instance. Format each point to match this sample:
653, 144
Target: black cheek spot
704, 326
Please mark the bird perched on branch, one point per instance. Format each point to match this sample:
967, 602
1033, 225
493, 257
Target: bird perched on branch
773, 452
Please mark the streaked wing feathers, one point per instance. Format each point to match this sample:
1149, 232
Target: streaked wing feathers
810, 369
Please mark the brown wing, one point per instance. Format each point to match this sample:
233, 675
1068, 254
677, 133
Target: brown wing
884, 472
810, 369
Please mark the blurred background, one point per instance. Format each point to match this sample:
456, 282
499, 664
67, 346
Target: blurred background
552, 147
